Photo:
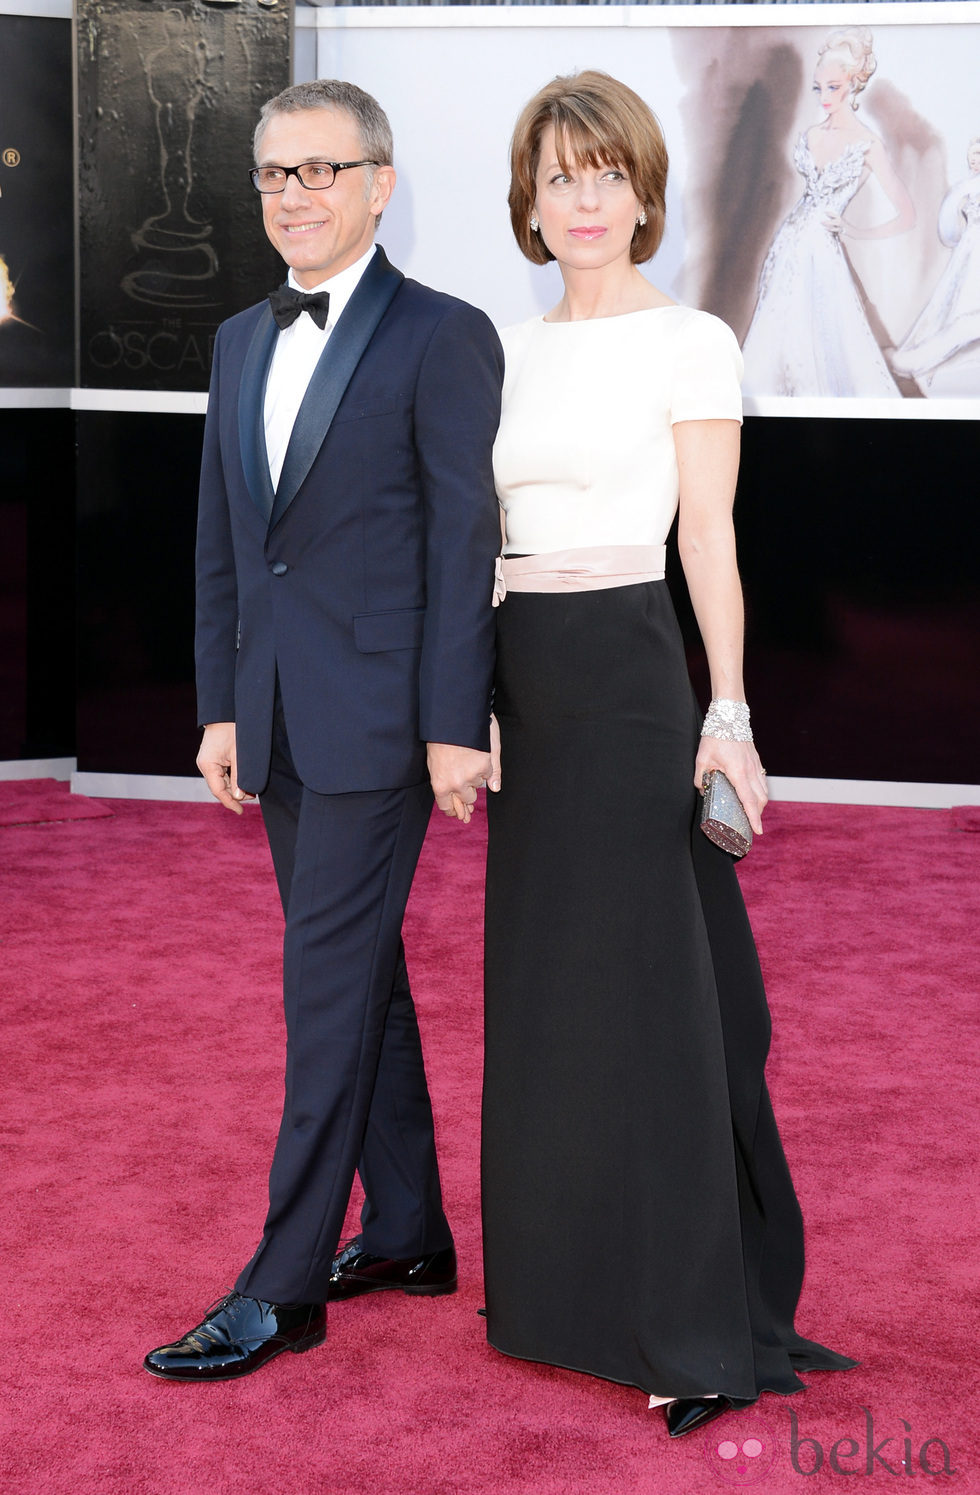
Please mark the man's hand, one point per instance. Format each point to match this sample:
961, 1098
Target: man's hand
456, 773
218, 762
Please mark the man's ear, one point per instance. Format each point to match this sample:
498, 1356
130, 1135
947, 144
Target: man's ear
382, 188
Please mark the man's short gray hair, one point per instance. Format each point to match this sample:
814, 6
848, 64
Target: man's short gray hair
333, 93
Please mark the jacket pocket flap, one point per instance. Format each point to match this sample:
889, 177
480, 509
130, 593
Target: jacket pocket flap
374, 632
360, 409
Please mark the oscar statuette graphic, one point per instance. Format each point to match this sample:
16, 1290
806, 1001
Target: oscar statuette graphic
170, 242
8, 311
36, 231
179, 261
10, 157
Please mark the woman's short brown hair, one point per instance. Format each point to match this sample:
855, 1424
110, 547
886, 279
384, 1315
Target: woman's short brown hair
599, 122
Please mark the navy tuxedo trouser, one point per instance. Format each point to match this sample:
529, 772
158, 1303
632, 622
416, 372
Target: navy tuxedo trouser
356, 1095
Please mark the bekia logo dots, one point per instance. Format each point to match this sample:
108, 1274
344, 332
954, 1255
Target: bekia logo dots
744, 1456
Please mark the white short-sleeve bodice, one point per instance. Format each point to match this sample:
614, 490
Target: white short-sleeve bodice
584, 456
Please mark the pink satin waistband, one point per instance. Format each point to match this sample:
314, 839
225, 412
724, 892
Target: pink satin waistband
584, 570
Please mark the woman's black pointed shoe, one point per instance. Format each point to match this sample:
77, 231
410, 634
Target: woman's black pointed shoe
688, 1413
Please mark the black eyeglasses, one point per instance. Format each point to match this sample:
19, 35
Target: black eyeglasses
313, 175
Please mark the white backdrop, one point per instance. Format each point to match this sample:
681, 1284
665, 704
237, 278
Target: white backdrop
454, 79
452, 92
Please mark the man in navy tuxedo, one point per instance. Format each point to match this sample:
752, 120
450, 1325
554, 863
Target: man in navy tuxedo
346, 540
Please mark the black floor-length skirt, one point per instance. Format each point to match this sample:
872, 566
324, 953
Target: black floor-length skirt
640, 1222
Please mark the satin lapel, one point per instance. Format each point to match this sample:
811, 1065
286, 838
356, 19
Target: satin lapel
332, 375
251, 418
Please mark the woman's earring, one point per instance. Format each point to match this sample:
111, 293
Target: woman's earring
642, 220
534, 223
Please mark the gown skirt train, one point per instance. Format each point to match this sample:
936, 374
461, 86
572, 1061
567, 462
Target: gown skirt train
640, 1222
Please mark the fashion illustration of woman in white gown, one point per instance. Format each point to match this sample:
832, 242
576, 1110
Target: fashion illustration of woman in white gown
946, 335
810, 334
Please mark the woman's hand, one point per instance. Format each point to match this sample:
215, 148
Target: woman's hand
739, 762
493, 782
834, 224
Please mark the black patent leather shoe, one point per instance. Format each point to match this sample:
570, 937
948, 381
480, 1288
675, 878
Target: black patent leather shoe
688, 1413
236, 1336
356, 1271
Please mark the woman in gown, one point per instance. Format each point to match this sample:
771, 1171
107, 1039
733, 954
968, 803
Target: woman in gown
640, 1223
809, 334
948, 327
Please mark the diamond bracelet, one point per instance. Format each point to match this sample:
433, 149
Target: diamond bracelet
727, 720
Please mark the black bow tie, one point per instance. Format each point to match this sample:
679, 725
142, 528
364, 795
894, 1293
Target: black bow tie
287, 305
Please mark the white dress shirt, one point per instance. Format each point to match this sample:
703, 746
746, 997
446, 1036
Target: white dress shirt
296, 355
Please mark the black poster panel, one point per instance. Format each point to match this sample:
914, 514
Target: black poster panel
170, 235
857, 543
37, 584
862, 616
37, 319
136, 516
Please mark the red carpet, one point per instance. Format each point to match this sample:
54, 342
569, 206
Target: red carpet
30, 801
142, 1079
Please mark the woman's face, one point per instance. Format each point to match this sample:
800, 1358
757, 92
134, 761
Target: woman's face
587, 216
973, 159
831, 86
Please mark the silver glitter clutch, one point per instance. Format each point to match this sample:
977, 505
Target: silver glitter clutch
722, 818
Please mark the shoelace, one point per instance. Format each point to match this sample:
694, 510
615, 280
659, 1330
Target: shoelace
206, 1335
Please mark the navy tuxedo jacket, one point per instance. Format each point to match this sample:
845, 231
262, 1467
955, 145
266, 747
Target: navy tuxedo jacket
366, 580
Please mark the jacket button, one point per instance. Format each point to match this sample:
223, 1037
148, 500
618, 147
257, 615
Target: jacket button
280, 568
